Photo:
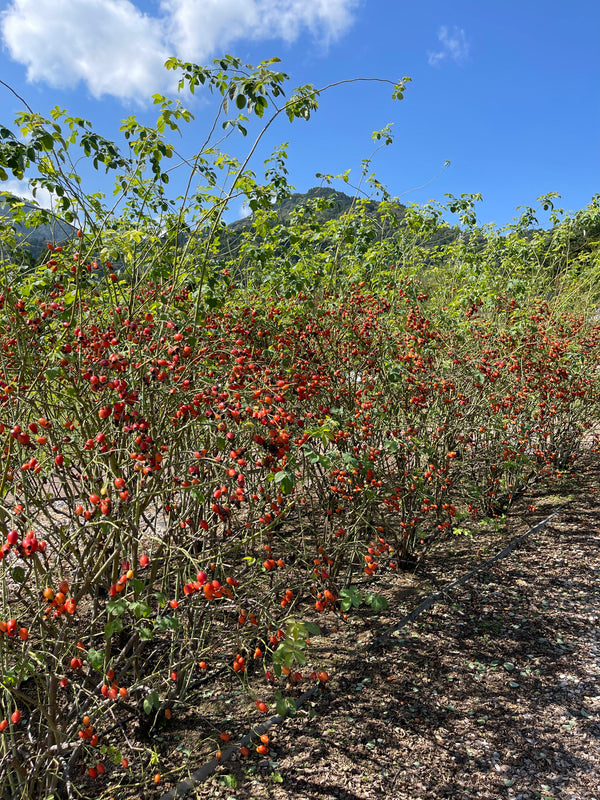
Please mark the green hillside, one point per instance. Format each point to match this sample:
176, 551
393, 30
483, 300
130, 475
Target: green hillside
28, 229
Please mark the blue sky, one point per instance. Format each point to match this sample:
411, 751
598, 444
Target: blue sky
508, 92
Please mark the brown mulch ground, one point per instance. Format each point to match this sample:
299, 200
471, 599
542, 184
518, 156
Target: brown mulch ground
494, 694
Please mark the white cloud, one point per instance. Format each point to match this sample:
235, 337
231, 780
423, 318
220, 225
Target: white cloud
454, 46
244, 210
117, 49
198, 29
108, 44
21, 188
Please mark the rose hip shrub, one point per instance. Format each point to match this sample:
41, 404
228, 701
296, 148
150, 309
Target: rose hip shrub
177, 487
192, 469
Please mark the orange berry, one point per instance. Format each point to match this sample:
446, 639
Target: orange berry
70, 606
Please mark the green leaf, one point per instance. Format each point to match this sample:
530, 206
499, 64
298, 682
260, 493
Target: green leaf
9, 678
151, 702
95, 658
279, 698
116, 607
291, 706
286, 480
166, 623
18, 574
112, 627
349, 459
145, 634
285, 706
376, 601
351, 597
140, 609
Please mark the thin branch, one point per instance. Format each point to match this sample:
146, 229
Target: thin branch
18, 96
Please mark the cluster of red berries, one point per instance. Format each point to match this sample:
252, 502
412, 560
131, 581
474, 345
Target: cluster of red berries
10, 629
27, 546
239, 663
15, 718
112, 690
58, 602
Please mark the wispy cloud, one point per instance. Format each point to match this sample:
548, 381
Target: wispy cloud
454, 46
117, 49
